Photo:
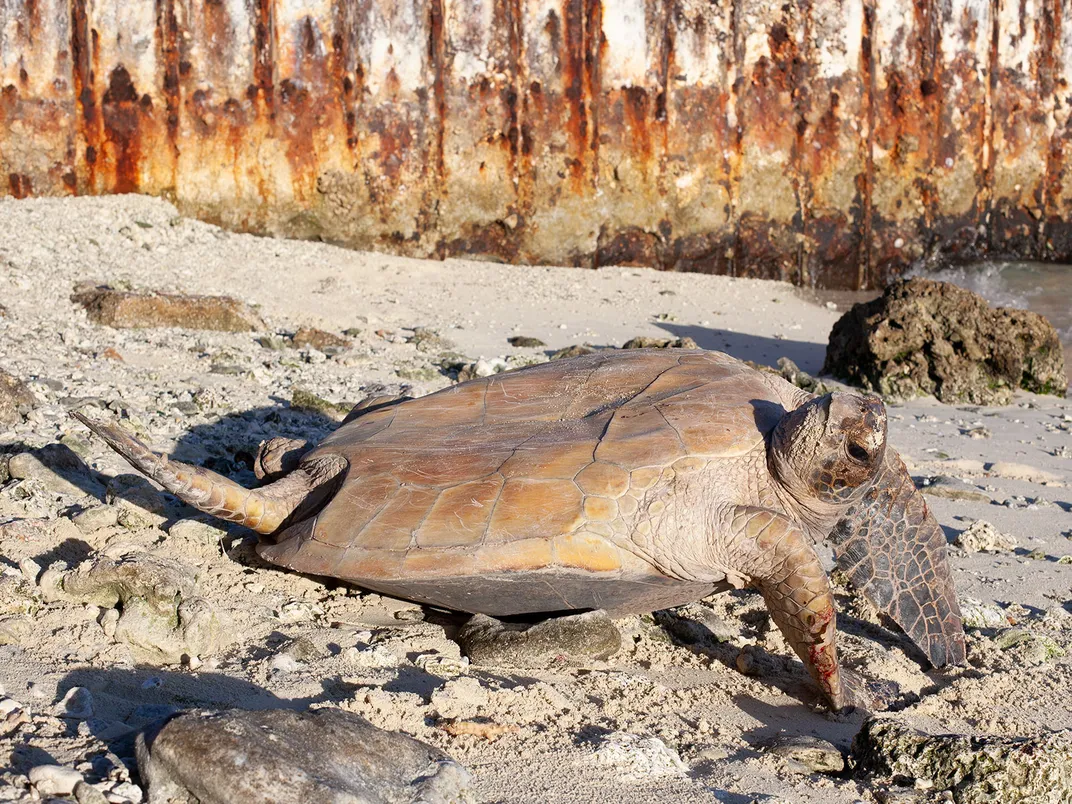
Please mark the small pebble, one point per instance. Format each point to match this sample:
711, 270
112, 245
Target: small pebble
746, 663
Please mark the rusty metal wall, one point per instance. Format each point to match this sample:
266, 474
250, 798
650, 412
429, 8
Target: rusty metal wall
828, 142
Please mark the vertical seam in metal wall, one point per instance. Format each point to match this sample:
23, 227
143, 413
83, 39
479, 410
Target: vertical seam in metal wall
1051, 174
437, 55
738, 144
801, 177
931, 49
988, 118
167, 26
83, 88
867, 56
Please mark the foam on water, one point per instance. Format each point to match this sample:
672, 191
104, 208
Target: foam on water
1041, 287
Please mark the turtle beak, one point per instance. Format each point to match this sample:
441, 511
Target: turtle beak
894, 551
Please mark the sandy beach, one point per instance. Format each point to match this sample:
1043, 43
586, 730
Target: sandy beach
569, 734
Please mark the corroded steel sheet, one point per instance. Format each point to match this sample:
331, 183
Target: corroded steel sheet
828, 142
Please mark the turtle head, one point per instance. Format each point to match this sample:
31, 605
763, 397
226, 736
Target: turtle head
830, 448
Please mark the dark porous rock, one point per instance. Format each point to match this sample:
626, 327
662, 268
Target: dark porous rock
927, 337
324, 755
16, 400
491, 642
326, 342
642, 342
129, 309
525, 342
1012, 770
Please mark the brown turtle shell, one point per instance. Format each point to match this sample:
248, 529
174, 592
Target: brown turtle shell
532, 490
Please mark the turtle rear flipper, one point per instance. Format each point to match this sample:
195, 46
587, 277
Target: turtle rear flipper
264, 510
894, 551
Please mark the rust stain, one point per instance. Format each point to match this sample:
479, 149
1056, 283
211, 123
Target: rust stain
946, 137
19, 185
864, 273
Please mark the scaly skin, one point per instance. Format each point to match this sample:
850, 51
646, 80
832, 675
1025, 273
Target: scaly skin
778, 558
263, 510
893, 550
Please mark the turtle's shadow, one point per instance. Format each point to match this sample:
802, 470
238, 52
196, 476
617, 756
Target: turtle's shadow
808, 356
228, 444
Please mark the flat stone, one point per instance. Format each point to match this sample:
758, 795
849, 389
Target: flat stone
57, 468
487, 641
128, 309
324, 755
96, 518
951, 488
806, 754
1012, 770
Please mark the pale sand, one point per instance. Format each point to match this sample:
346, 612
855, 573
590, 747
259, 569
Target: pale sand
693, 699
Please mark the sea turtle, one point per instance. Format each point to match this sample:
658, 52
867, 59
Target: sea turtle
626, 481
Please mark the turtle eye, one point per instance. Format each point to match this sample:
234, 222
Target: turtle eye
858, 453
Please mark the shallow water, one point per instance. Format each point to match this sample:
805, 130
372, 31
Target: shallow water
1042, 287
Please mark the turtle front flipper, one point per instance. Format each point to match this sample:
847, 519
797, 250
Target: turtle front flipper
769, 551
894, 551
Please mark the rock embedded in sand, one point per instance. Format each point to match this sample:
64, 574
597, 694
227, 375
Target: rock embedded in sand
162, 617
982, 537
95, 518
1030, 648
926, 337
283, 755
487, 641
639, 757
525, 342
300, 399
16, 400
952, 488
976, 614
57, 468
975, 769
807, 754
135, 310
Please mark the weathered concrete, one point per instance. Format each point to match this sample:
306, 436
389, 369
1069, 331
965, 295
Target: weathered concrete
827, 142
